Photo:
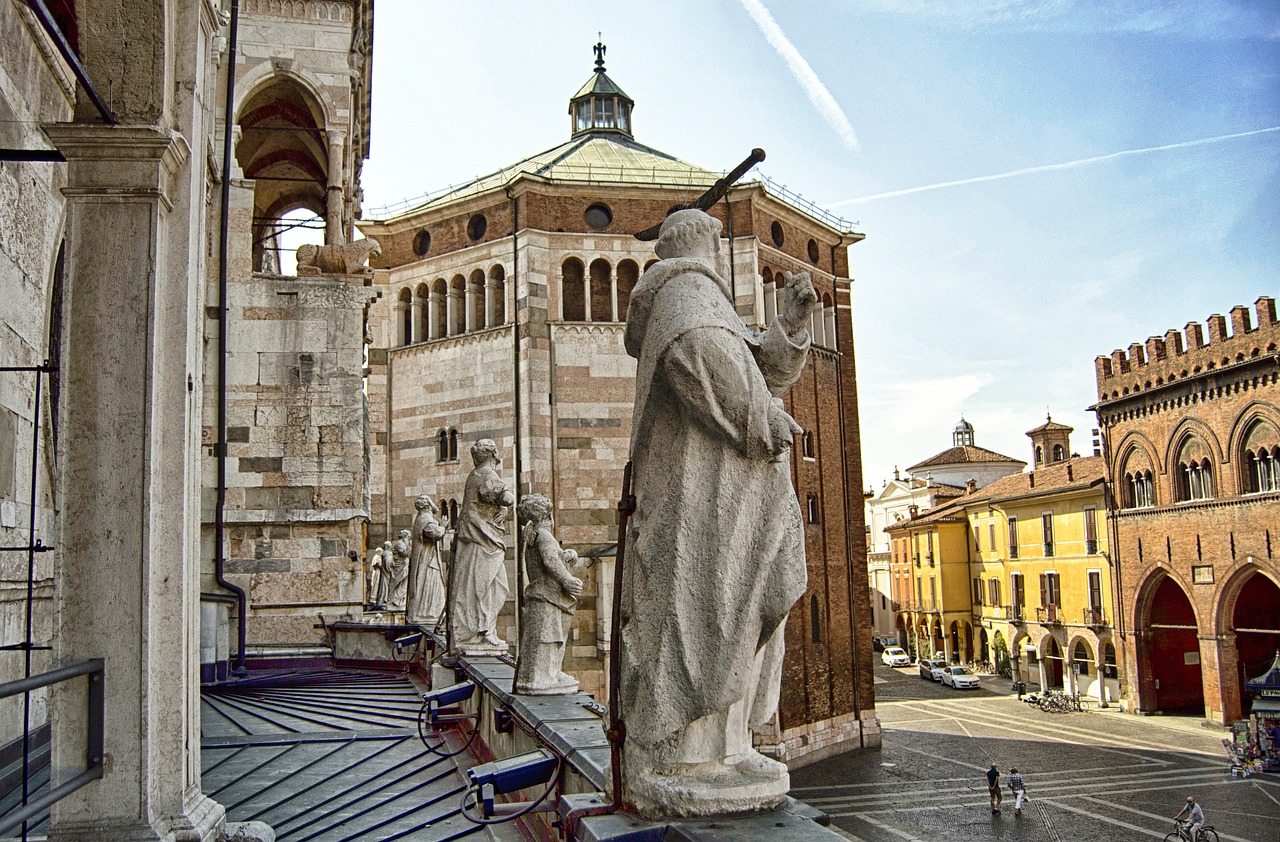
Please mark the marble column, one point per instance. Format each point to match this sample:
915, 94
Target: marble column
128, 580
334, 205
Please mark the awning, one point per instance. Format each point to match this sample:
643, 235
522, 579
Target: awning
1269, 707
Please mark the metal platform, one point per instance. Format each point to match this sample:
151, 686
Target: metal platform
328, 755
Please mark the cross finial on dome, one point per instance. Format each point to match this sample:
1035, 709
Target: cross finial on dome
599, 48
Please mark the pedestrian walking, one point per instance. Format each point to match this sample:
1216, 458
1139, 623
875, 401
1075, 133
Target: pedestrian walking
993, 788
1019, 789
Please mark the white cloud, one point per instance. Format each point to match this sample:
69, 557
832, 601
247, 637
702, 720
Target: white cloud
817, 92
1066, 165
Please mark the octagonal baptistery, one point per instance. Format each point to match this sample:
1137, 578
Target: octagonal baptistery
502, 316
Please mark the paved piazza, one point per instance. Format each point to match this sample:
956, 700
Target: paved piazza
1101, 775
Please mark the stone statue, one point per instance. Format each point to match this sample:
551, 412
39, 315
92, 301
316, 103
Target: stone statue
346, 259
395, 566
715, 549
424, 601
549, 602
478, 581
377, 579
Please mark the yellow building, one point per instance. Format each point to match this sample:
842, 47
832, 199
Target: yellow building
1017, 573
1040, 578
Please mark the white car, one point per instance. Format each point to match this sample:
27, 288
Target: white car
939, 669
961, 678
895, 656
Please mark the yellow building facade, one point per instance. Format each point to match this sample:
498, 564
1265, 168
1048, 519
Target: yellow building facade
1017, 574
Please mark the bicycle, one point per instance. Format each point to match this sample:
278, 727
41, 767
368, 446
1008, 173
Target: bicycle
1182, 834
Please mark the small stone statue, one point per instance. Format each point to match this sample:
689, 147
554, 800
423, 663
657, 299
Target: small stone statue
478, 586
549, 602
377, 579
424, 600
333, 259
715, 550
395, 563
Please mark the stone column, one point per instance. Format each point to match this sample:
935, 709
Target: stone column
1220, 675
128, 585
586, 294
334, 205
418, 321
613, 292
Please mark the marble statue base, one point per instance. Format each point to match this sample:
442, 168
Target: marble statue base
562, 685
482, 645
753, 784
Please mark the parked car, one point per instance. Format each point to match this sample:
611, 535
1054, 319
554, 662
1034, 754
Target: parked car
895, 656
939, 667
961, 678
927, 666
881, 642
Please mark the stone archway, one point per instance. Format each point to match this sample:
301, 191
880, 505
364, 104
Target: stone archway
1171, 656
1052, 664
1255, 619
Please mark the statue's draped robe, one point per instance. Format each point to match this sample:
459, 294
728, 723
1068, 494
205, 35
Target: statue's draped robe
424, 602
715, 549
396, 572
479, 577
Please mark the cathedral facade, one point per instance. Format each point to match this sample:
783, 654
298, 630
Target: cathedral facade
502, 309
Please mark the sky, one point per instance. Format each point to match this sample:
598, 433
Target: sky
1039, 181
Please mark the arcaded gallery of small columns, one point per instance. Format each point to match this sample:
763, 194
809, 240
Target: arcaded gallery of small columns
598, 291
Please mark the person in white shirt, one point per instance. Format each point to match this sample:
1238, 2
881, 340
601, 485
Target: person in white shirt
1019, 789
1194, 815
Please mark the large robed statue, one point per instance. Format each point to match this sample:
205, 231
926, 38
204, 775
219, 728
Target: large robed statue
478, 581
715, 549
424, 600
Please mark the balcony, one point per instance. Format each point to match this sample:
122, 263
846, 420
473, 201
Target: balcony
1013, 614
1049, 615
1093, 618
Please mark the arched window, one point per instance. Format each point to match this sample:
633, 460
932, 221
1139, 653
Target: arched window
453, 513
457, 305
573, 302
601, 291
1059, 453
815, 619
817, 327
1109, 660
628, 275
404, 318
453, 445
421, 307
496, 297
829, 322
475, 301
446, 521
1039, 455
811, 508
1261, 461
443, 449
1137, 485
437, 315
807, 448
1194, 477
769, 292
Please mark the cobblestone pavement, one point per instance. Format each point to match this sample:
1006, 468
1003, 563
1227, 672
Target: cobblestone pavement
1100, 775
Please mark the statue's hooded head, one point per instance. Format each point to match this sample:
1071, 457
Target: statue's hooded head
483, 451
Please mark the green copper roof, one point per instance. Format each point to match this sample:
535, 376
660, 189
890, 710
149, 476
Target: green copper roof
600, 84
602, 158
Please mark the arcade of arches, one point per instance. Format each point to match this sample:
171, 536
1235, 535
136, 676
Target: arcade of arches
1196, 664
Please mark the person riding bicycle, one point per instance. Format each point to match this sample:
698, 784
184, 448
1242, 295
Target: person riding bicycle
1195, 818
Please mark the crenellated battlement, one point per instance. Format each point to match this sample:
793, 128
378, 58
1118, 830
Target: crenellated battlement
1181, 354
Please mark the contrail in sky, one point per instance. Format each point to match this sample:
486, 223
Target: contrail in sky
800, 69
1067, 165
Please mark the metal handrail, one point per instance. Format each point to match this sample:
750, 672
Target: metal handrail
95, 669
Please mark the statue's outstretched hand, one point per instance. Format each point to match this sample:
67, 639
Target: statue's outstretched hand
798, 299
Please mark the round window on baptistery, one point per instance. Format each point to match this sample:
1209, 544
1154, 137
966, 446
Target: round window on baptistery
598, 216
813, 252
775, 231
422, 242
476, 226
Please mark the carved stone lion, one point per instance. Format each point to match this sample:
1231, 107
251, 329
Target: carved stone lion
347, 259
